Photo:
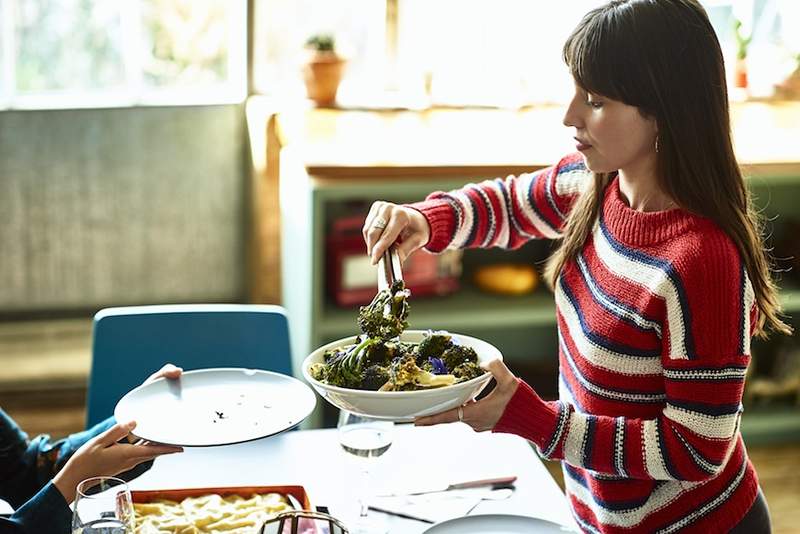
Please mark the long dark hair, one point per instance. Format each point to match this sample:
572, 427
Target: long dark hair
663, 57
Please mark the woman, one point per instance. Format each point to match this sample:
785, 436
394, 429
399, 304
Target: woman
41, 478
660, 281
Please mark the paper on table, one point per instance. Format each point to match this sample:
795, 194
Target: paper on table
432, 507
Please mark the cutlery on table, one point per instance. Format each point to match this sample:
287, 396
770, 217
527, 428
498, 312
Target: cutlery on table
494, 483
419, 507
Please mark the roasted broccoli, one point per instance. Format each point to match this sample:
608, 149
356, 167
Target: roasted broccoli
374, 377
467, 371
380, 353
433, 344
319, 371
386, 316
404, 373
378, 361
455, 355
435, 366
344, 367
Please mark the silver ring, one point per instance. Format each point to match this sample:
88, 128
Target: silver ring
460, 413
379, 223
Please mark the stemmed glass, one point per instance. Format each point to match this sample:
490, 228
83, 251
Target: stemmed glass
365, 439
103, 505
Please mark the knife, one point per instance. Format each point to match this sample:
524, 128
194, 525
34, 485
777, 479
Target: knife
397, 513
495, 483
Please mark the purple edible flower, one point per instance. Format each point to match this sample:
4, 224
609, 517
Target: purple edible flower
439, 368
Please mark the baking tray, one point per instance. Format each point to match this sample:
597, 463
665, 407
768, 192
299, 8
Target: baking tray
146, 496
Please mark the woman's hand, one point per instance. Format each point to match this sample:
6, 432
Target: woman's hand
483, 414
107, 454
388, 223
104, 455
168, 371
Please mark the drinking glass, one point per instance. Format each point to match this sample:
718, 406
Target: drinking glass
103, 505
365, 439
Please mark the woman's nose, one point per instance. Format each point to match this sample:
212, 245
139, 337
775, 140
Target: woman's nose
571, 117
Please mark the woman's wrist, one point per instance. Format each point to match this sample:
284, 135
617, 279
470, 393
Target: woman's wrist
66, 483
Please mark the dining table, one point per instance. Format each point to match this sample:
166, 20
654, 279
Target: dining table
419, 457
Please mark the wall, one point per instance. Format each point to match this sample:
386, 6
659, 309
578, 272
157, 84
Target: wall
121, 206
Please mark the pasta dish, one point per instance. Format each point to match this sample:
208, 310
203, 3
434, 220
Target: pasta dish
212, 513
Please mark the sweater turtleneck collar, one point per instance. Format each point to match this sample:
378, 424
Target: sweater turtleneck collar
640, 228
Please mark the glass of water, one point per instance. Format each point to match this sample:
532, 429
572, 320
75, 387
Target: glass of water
365, 439
103, 505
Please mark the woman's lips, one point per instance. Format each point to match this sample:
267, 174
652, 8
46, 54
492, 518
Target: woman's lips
580, 145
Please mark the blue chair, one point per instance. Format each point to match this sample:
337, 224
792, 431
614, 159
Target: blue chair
130, 343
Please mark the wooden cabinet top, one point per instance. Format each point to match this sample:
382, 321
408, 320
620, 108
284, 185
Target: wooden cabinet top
334, 143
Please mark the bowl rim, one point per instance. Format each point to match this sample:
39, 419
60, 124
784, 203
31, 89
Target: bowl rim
414, 392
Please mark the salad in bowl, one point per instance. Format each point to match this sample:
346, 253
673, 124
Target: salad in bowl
389, 372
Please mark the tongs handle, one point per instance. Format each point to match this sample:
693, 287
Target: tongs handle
389, 270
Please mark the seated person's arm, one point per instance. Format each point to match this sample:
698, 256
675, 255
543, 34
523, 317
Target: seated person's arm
27, 467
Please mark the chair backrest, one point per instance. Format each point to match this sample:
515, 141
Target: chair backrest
130, 343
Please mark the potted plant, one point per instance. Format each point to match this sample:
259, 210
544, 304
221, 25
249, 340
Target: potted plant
323, 69
742, 42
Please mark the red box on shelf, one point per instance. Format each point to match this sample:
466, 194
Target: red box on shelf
352, 280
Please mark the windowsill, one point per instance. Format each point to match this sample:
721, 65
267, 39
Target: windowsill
334, 142
50, 354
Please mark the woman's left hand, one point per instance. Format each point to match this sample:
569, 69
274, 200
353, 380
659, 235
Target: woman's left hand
483, 414
168, 371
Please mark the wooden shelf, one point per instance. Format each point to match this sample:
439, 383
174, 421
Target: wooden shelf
435, 142
465, 310
45, 354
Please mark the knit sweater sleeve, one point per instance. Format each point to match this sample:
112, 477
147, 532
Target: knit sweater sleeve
505, 212
704, 359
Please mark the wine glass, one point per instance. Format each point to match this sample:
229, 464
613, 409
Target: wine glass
365, 439
103, 505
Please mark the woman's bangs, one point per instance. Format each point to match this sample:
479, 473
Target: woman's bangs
588, 53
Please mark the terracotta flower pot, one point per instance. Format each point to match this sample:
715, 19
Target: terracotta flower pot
322, 74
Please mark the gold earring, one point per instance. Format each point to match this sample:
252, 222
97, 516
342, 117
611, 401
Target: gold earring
656, 144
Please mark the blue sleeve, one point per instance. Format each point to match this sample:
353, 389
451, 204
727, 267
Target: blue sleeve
47, 511
27, 465
26, 470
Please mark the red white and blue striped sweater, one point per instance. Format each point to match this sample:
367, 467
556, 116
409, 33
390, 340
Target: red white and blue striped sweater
655, 317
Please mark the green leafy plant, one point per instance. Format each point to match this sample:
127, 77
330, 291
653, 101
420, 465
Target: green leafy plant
321, 42
741, 42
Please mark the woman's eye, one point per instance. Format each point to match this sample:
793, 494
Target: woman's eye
594, 104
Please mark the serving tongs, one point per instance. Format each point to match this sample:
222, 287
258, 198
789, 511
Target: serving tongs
389, 270
386, 315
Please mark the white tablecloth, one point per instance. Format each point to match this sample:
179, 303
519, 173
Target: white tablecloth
441, 454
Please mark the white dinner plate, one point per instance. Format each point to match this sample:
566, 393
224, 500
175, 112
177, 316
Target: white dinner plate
209, 407
496, 524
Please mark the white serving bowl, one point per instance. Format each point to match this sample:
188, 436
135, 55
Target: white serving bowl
403, 406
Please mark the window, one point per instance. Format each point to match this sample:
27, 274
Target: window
772, 41
96, 53
445, 51
504, 53
283, 26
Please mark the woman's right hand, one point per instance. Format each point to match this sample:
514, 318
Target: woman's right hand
388, 223
106, 455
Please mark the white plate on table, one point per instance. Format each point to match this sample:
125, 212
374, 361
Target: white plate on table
208, 407
497, 524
